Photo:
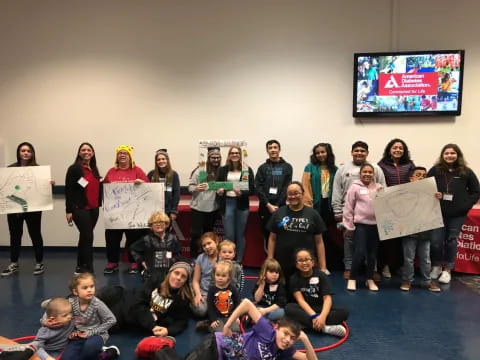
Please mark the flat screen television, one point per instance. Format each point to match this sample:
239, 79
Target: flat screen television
408, 83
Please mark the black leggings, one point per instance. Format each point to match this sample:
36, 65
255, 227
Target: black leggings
295, 312
85, 220
34, 226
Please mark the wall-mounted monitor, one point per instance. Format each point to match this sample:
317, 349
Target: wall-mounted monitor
408, 83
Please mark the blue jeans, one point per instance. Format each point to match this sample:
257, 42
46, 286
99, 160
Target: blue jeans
83, 349
276, 314
443, 248
365, 247
419, 244
234, 223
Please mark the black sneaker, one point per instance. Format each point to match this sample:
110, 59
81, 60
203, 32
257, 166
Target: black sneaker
10, 269
39, 269
109, 353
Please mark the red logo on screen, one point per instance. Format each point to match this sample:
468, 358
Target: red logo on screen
391, 83
408, 84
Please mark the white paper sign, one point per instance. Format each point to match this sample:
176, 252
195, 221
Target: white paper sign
128, 205
25, 189
407, 209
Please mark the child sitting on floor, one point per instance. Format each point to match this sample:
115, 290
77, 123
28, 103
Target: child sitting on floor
270, 293
312, 291
50, 341
223, 296
227, 251
264, 341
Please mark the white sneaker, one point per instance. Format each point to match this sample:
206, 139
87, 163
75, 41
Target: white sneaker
435, 273
352, 285
386, 272
326, 272
445, 277
335, 330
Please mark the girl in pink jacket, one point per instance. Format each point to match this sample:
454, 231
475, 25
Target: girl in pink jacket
359, 218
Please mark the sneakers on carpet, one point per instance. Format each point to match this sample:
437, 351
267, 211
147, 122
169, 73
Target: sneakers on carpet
148, 346
445, 277
433, 287
10, 269
435, 273
326, 272
110, 268
351, 285
109, 353
39, 269
16, 352
405, 286
133, 269
335, 330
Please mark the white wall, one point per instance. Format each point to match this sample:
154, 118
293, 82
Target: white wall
167, 73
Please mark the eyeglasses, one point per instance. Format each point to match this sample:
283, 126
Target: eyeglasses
158, 223
303, 261
234, 153
296, 193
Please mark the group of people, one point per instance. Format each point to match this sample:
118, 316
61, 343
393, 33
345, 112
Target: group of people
299, 221
341, 197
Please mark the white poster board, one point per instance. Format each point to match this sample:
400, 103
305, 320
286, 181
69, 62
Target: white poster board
129, 205
407, 209
25, 189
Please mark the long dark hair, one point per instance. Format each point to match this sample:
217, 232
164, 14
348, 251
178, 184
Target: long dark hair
459, 165
32, 161
387, 157
93, 160
330, 161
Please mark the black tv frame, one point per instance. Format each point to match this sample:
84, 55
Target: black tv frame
358, 55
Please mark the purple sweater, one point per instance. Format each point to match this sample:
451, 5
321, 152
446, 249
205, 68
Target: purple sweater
359, 204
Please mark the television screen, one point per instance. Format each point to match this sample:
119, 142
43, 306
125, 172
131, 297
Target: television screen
408, 83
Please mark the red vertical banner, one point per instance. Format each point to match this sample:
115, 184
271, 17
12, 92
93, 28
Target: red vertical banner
468, 249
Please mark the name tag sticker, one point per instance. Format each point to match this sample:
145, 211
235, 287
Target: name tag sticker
448, 197
169, 254
313, 280
273, 190
168, 188
82, 182
363, 191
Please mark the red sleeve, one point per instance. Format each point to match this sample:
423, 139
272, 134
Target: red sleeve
141, 174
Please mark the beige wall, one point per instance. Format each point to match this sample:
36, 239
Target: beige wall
168, 73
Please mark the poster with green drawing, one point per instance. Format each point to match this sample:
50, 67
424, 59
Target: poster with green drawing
25, 189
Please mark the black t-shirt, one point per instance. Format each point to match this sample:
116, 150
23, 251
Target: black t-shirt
313, 288
272, 294
294, 230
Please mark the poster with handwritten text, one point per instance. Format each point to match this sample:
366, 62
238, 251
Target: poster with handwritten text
129, 205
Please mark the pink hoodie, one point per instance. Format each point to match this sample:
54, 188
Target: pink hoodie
358, 206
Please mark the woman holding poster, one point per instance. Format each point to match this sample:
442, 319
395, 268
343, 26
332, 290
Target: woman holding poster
458, 191
234, 202
124, 171
82, 199
25, 157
